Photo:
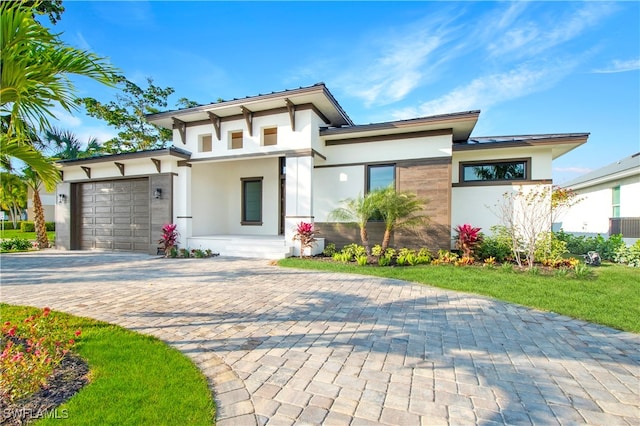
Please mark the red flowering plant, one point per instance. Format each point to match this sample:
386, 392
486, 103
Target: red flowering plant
169, 238
467, 238
30, 350
306, 235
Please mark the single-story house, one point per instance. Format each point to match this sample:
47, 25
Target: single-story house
241, 174
610, 201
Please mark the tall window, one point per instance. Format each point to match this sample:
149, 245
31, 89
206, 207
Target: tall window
236, 140
252, 201
494, 171
205, 143
270, 136
380, 176
615, 201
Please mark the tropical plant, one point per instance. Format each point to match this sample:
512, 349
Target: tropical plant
358, 210
34, 181
36, 66
168, 239
398, 210
306, 235
362, 259
65, 145
13, 196
467, 238
329, 250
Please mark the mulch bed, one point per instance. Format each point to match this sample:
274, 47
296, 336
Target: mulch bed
71, 375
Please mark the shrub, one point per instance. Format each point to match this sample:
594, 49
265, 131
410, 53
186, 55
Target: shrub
549, 250
628, 255
606, 248
306, 235
169, 238
362, 259
497, 246
423, 257
464, 261
329, 250
467, 238
446, 256
15, 244
31, 349
489, 262
353, 250
403, 256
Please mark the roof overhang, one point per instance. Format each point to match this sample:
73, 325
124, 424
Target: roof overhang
317, 96
560, 144
177, 153
459, 124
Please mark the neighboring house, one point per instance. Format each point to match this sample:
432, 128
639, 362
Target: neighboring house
48, 200
610, 201
241, 174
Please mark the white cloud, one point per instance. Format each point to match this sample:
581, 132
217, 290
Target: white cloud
485, 91
395, 72
620, 66
528, 37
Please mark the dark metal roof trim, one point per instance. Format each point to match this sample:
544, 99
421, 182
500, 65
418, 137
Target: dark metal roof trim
172, 151
401, 123
486, 142
301, 90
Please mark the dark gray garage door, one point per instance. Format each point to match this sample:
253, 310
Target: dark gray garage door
115, 215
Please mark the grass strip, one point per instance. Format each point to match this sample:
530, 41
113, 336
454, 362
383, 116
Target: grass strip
135, 379
611, 297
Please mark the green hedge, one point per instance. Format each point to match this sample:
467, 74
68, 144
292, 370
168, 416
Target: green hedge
29, 226
9, 224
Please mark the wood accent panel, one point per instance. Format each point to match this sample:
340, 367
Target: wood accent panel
433, 183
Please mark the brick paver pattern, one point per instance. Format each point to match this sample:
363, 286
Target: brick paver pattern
283, 346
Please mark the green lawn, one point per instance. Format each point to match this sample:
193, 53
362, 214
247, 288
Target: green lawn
611, 298
135, 379
31, 236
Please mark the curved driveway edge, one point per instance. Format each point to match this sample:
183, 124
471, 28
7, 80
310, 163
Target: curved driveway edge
284, 346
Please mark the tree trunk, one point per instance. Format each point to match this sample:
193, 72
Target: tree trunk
385, 239
364, 236
38, 221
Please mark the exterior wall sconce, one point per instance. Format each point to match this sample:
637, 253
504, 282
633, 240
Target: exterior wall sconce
62, 198
157, 194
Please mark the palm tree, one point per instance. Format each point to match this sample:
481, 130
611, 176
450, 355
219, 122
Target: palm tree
398, 210
358, 210
13, 195
36, 66
67, 146
34, 181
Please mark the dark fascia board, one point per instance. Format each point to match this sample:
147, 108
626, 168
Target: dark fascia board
522, 141
171, 151
319, 87
442, 118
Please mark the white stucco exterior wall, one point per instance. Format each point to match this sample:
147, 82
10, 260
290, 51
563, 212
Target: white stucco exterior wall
591, 215
389, 150
334, 184
252, 144
217, 197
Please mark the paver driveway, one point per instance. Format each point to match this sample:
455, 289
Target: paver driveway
284, 346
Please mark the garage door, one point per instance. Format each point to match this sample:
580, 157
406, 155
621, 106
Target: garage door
115, 215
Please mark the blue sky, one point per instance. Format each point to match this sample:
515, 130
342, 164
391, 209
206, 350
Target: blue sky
530, 67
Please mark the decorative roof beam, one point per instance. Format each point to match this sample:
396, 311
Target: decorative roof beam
182, 128
87, 171
291, 107
215, 120
120, 167
248, 116
157, 163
